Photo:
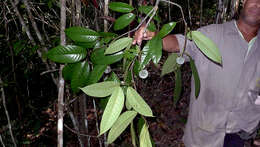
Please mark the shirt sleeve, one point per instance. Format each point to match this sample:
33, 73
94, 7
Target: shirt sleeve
191, 48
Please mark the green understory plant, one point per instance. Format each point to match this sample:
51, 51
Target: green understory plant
91, 56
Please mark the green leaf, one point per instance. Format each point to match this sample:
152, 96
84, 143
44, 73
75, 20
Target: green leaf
67, 54
145, 140
118, 45
133, 136
127, 105
151, 27
146, 56
98, 57
140, 124
113, 77
123, 21
79, 76
166, 29
19, 46
120, 125
146, 10
170, 64
177, 88
138, 103
196, 77
80, 34
206, 45
120, 7
86, 44
103, 102
107, 34
68, 70
96, 73
156, 48
101, 89
137, 67
113, 109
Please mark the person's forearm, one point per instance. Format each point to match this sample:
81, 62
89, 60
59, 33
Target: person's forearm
170, 44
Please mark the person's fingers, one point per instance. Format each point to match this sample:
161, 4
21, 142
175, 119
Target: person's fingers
134, 42
147, 38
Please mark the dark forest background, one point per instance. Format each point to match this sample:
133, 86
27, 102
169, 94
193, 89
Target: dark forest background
29, 81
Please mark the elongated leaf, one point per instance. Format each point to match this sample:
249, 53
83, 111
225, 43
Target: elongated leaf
80, 76
166, 29
123, 21
103, 102
156, 49
151, 27
196, 77
145, 140
120, 125
101, 89
86, 44
138, 103
146, 10
96, 73
140, 124
127, 105
177, 88
107, 34
113, 109
170, 64
99, 57
67, 54
206, 45
80, 34
133, 135
68, 70
118, 45
146, 56
120, 7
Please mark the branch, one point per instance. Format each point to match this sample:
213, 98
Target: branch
143, 21
61, 80
185, 23
75, 124
6, 113
75, 132
94, 104
1, 140
29, 35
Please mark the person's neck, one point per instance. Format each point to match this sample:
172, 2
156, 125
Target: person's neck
247, 30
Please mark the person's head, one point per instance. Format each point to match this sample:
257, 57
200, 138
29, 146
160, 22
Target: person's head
250, 13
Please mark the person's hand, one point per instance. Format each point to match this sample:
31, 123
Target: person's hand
140, 35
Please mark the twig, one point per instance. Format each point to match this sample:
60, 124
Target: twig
189, 12
75, 124
29, 35
143, 21
106, 14
95, 109
155, 8
201, 11
1, 140
6, 113
48, 71
185, 23
60, 108
75, 132
167, 1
